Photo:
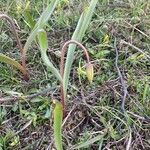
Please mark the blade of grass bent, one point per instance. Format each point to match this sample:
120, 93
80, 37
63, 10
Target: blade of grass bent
78, 35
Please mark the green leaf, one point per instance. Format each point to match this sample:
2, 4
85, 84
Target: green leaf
41, 23
28, 16
36, 100
58, 116
10, 61
43, 42
15, 141
48, 113
42, 39
78, 34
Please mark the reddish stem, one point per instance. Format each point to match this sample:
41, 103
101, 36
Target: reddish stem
26, 76
63, 52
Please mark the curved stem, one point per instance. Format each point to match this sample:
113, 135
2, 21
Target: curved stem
18, 43
63, 52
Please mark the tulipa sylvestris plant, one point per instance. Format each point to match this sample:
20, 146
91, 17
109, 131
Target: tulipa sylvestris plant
63, 75
59, 109
40, 24
89, 66
10, 61
43, 42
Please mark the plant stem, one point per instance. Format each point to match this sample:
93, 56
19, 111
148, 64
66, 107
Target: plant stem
63, 52
26, 77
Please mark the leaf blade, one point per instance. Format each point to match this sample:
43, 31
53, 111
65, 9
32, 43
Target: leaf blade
41, 23
58, 116
10, 61
43, 42
77, 35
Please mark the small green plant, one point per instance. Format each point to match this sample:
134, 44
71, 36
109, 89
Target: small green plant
42, 38
89, 67
59, 108
63, 75
10, 61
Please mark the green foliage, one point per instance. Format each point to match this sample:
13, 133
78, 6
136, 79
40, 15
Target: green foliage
78, 34
9, 141
42, 38
58, 116
100, 102
43, 42
41, 23
10, 61
28, 16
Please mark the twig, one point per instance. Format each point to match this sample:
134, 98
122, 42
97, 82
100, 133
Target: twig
121, 79
139, 50
68, 115
23, 128
128, 146
146, 35
125, 92
28, 97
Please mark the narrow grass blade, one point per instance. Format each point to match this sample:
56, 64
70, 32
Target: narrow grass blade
47, 13
28, 16
58, 116
41, 23
101, 143
89, 142
10, 61
43, 42
78, 35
